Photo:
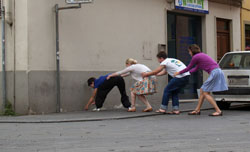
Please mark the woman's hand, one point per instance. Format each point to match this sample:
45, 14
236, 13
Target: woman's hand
108, 77
176, 73
86, 107
144, 74
112, 75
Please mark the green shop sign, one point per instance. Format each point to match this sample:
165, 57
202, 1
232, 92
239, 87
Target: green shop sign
200, 6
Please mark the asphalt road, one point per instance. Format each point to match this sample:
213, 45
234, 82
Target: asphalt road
163, 133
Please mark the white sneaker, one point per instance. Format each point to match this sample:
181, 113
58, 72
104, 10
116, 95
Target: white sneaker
96, 109
118, 106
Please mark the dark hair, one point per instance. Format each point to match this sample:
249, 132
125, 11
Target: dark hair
162, 54
91, 80
194, 48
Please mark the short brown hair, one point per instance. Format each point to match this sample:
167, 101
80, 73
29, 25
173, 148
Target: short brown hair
194, 48
162, 54
91, 80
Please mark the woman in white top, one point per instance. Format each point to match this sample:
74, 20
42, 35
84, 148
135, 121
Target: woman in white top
142, 86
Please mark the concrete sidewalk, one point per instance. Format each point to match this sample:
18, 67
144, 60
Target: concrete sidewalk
82, 116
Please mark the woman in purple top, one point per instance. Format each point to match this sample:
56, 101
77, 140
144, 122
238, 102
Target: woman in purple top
215, 82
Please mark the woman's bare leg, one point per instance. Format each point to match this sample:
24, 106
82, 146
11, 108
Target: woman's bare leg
145, 101
211, 100
133, 98
200, 102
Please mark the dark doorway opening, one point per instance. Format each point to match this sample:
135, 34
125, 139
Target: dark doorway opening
184, 30
247, 36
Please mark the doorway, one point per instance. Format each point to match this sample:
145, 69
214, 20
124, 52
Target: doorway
247, 37
184, 30
223, 37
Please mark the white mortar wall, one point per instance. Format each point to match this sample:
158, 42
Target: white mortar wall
41, 34
97, 37
103, 33
21, 38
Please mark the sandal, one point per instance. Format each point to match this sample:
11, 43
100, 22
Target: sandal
173, 113
148, 110
131, 109
161, 111
215, 114
194, 113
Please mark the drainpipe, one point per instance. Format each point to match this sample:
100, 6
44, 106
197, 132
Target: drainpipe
10, 19
58, 93
58, 99
3, 57
241, 30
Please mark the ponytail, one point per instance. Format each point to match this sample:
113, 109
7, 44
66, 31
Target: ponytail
131, 61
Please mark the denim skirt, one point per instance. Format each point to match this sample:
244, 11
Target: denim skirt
215, 82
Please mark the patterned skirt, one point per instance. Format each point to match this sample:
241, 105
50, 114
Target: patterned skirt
144, 87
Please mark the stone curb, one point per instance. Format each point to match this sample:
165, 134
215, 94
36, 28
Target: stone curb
89, 119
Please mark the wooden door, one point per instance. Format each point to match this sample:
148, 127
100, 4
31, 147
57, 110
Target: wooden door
247, 37
223, 37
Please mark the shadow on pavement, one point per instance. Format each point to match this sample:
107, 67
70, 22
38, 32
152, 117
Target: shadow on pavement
240, 107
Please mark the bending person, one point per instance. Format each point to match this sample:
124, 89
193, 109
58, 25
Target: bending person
170, 66
102, 87
215, 82
142, 86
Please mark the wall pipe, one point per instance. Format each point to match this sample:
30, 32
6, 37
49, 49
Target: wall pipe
3, 58
58, 94
13, 20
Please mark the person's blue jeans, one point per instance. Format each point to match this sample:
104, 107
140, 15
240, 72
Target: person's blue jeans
172, 89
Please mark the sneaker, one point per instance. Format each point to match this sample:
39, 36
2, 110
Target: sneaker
118, 106
96, 109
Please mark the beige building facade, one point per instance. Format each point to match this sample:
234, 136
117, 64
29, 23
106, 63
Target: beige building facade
245, 25
96, 39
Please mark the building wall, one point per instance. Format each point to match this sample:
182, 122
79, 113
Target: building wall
94, 40
226, 12
103, 33
245, 19
16, 55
